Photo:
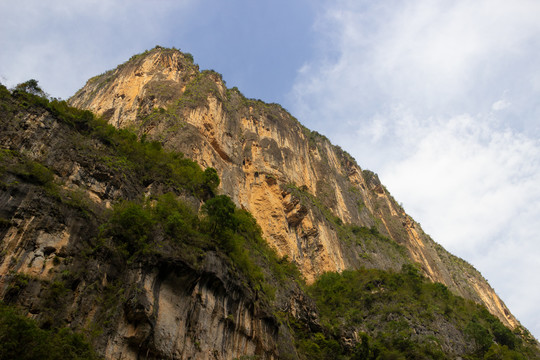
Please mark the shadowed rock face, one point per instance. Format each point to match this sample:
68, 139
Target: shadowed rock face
179, 313
307, 195
163, 308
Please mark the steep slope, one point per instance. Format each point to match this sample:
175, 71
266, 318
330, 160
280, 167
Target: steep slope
125, 279
313, 202
129, 246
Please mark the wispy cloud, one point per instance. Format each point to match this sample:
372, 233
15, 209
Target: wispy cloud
59, 39
500, 105
63, 43
439, 97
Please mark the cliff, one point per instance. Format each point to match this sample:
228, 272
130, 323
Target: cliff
112, 236
67, 261
306, 193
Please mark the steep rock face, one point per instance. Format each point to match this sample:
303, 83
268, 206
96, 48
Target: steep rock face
178, 313
305, 193
164, 308
155, 80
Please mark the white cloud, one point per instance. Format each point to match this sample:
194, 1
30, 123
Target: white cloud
440, 97
500, 105
467, 182
63, 43
432, 56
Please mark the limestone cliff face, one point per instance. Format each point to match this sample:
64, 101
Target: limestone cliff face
165, 308
155, 80
308, 195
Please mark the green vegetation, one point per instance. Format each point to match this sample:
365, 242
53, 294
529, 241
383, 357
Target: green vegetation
314, 138
31, 86
150, 163
400, 315
312, 201
141, 55
139, 228
144, 227
346, 159
33, 172
364, 314
169, 116
198, 90
220, 212
147, 161
189, 57
370, 239
168, 227
21, 338
17, 284
28, 170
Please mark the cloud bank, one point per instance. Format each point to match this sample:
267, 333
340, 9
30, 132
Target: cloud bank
440, 98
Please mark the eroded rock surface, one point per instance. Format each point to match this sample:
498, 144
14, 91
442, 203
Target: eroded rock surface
302, 190
51, 264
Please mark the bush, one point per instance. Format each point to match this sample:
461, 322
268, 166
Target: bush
503, 335
142, 228
80, 119
145, 160
220, 215
210, 182
21, 338
27, 169
480, 335
36, 173
130, 226
178, 221
31, 87
189, 57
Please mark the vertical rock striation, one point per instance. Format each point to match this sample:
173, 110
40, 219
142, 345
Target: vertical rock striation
308, 195
50, 264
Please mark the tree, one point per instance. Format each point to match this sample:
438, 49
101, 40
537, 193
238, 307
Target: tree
130, 225
480, 335
220, 211
31, 86
210, 182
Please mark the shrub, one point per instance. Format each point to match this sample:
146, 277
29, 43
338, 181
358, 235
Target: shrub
391, 307
220, 215
189, 57
130, 226
480, 335
210, 182
36, 173
179, 222
31, 87
21, 338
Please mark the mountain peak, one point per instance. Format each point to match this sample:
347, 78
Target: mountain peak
227, 243
147, 80
313, 202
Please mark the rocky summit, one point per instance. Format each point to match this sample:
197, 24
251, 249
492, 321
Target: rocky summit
158, 214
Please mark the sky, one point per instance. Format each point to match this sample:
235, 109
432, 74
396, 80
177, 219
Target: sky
440, 98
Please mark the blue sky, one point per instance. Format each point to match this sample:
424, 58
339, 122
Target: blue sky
438, 97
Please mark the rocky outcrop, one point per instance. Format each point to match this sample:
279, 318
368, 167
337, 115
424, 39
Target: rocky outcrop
55, 189
305, 193
178, 313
